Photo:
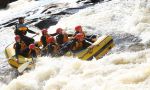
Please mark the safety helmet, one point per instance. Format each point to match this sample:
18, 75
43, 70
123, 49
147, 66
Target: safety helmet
79, 36
50, 39
31, 46
17, 37
59, 30
78, 28
44, 31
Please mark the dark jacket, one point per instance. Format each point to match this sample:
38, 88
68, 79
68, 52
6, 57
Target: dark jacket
21, 33
29, 53
43, 41
60, 39
17, 47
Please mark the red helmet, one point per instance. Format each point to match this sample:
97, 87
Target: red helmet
17, 37
78, 28
79, 36
50, 39
59, 30
44, 31
31, 46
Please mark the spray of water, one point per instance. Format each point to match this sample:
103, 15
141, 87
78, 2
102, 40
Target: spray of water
126, 70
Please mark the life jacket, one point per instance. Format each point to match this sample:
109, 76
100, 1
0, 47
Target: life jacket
21, 29
22, 46
38, 44
77, 46
65, 39
47, 36
62, 38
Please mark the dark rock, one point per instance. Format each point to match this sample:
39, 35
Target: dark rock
96, 1
10, 22
90, 1
4, 3
136, 47
51, 6
46, 23
54, 18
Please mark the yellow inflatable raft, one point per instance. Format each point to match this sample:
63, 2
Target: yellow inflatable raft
98, 50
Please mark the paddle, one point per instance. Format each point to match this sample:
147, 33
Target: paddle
23, 67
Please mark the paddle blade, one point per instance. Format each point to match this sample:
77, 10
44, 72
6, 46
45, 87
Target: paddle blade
23, 67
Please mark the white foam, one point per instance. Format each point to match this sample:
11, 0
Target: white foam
117, 71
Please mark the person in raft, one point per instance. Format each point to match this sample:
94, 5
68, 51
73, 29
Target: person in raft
22, 29
75, 45
91, 38
19, 46
61, 36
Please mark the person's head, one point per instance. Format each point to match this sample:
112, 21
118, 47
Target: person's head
59, 31
21, 20
50, 39
44, 32
93, 38
31, 46
79, 37
17, 38
78, 28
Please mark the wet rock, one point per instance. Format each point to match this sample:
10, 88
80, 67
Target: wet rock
54, 18
90, 1
136, 47
46, 23
123, 37
47, 9
148, 44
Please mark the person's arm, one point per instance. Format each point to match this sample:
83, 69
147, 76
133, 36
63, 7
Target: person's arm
30, 31
70, 35
54, 34
86, 44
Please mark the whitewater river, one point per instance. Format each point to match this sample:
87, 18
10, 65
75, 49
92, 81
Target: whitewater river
125, 67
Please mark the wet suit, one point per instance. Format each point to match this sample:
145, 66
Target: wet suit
27, 52
17, 49
27, 40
